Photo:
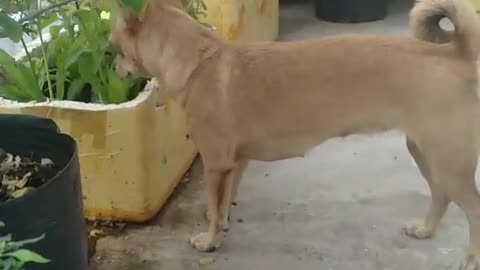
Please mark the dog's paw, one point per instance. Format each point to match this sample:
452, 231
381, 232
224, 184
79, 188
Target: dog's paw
418, 230
204, 242
472, 262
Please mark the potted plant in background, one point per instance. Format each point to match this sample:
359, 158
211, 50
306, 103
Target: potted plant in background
40, 197
133, 151
351, 11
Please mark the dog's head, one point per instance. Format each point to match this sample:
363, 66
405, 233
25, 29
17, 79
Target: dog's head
125, 31
127, 39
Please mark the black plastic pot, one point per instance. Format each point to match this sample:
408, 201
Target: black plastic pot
351, 11
56, 208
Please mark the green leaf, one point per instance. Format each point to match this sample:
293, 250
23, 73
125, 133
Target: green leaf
5, 57
59, 49
202, 3
103, 5
29, 241
89, 22
6, 238
117, 88
137, 6
88, 65
2, 224
7, 264
10, 28
11, 7
113, 16
75, 89
60, 83
48, 20
97, 89
75, 52
30, 83
25, 255
67, 22
13, 93
21, 77
54, 31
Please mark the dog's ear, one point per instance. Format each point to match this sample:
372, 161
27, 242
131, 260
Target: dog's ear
130, 20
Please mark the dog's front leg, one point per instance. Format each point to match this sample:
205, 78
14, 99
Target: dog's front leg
229, 194
232, 191
216, 182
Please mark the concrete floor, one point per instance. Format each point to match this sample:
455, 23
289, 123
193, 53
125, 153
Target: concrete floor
340, 208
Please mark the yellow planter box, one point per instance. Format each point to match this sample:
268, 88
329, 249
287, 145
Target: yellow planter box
132, 155
476, 3
244, 20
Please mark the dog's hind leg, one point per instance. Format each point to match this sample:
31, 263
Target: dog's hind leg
454, 161
421, 229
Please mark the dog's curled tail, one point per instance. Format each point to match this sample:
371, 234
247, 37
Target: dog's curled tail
425, 23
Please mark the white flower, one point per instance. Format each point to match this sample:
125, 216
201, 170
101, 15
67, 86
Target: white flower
105, 15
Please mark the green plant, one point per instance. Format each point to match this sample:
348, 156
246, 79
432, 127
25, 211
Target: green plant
13, 255
83, 59
19, 76
76, 63
196, 8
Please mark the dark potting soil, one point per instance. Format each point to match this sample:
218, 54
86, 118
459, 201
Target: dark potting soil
20, 175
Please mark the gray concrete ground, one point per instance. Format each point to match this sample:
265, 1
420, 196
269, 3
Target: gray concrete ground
339, 208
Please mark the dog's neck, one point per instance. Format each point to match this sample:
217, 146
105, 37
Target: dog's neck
176, 46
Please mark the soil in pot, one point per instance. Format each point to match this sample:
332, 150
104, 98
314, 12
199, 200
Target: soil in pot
351, 11
22, 175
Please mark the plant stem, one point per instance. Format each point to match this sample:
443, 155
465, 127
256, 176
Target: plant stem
29, 57
43, 10
45, 61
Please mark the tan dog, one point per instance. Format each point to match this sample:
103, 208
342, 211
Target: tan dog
271, 101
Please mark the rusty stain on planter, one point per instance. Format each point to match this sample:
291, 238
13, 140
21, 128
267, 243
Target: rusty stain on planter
263, 7
235, 29
244, 20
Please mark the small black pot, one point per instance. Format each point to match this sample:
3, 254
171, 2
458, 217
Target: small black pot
351, 11
54, 209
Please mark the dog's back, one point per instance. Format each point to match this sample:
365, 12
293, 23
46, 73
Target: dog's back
340, 85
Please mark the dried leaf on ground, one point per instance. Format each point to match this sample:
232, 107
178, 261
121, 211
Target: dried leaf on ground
206, 261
